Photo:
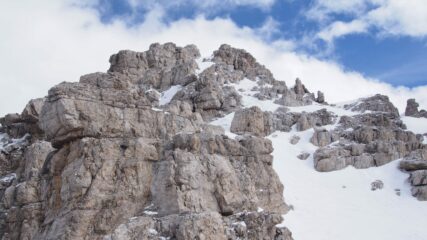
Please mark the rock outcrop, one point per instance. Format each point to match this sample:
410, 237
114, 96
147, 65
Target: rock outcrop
129, 154
132, 153
377, 103
297, 96
252, 121
416, 165
412, 109
365, 140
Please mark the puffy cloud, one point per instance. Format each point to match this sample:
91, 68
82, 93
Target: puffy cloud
45, 43
386, 17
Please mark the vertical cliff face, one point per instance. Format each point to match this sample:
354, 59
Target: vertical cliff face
130, 154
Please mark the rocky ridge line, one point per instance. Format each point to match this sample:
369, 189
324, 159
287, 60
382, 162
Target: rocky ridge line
132, 154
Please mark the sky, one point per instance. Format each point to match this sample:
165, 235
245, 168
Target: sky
345, 48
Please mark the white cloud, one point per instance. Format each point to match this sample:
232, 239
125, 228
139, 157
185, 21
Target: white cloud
386, 17
44, 43
269, 28
338, 29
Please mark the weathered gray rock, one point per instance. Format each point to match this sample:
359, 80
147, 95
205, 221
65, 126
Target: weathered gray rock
412, 109
242, 61
105, 160
66, 115
320, 97
296, 96
377, 103
373, 139
322, 137
18, 125
331, 158
284, 120
252, 121
294, 139
420, 192
377, 185
416, 165
302, 123
303, 156
160, 67
375, 119
418, 177
35, 156
413, 164
206, 226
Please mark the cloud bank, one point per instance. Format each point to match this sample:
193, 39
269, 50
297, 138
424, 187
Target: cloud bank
47, 42
385, 17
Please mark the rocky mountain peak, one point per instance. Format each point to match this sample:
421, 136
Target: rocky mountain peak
169, 145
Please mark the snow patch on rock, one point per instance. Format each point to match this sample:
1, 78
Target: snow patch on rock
203, 64
167, 95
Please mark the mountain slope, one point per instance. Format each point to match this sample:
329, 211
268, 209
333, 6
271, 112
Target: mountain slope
169, 145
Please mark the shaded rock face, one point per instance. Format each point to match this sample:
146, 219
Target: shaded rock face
412, 109
17, 125
103, 159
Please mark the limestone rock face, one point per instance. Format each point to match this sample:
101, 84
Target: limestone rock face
160, 67
322, 137
252, 121
365, 140
412, 109
242, 61
377, 103
17, 125
130, 153
296, 96
258, 123
416, 165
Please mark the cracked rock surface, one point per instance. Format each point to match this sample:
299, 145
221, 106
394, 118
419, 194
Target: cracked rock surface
117, 155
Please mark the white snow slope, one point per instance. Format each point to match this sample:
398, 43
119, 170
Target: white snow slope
340, 205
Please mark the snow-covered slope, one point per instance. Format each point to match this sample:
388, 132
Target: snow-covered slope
340, 204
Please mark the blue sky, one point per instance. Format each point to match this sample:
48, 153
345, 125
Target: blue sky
398, 59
